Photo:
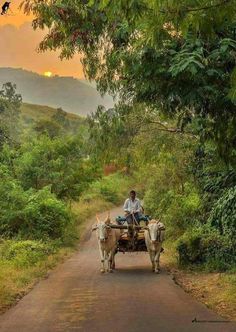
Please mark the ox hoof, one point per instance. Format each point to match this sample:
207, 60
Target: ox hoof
157, 271
110, 271
102, 271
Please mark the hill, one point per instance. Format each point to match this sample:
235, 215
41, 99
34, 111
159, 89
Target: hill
32, 114
69, 93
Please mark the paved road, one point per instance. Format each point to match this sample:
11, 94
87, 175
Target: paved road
76, 297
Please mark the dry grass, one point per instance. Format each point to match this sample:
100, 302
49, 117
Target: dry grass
15, 282
39, 112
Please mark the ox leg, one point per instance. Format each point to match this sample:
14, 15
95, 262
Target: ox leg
113, 265
157, 261
110, 261
152, 259
102, 261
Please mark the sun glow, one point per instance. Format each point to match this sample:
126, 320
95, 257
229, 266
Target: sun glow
47, 74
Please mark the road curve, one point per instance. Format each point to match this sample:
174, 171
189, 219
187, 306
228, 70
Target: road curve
76, 297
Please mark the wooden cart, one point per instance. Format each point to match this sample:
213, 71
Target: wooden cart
131, 239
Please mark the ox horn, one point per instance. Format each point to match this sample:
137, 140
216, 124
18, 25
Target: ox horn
97, 218
108, 218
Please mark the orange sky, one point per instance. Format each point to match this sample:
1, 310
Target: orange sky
18, 43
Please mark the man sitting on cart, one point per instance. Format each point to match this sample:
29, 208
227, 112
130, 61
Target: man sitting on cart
132, 208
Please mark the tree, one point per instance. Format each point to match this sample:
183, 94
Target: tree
10, 103
177, 58
59, 163
9, 94
61, 118
50, 128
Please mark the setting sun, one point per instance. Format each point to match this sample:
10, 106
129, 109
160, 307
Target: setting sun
48, 74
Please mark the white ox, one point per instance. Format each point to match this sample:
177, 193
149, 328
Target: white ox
107, 242
154, 236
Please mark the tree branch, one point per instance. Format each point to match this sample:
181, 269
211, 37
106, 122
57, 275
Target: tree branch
189, 9
170, 130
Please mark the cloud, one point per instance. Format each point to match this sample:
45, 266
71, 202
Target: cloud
18, 47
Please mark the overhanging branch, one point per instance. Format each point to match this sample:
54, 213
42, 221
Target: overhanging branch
169, 129
189, 9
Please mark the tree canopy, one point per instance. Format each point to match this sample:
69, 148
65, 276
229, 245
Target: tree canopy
177, 57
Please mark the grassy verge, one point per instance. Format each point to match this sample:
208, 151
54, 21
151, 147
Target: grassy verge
216, 290
18, 273
24, 262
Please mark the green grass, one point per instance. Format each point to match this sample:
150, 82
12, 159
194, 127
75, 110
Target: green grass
19, 274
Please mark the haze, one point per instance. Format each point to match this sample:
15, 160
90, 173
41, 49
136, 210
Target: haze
18, 44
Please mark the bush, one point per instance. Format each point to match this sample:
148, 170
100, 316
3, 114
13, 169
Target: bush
59, 163
178, 210
45, 215
31, 214
223, 214
25, 253
13, 200
112, 188
109, 194
188, 247
207, 246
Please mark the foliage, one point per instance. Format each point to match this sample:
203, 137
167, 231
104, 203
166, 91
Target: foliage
10, 103
45, 215
47, 127
9, 94
181, 178
178, 58
25, 253
60, 163
223, 214
58, 125
112, 188
31, 115
203, 245
31, 214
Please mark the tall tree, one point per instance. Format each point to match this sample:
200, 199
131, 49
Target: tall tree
10, 103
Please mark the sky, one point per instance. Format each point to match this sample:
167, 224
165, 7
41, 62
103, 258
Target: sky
18, 47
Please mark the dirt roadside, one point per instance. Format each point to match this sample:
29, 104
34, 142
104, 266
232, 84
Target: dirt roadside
216, 290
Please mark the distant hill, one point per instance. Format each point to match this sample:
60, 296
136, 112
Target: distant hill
71, 94
31, 114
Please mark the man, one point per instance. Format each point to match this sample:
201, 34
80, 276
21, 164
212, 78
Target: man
132, 208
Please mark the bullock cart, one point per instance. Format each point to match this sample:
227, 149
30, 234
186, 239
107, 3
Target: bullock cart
129, 237
132, 235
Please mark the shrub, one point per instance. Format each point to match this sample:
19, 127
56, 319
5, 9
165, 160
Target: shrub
178, 210
58, 162
13, 200
223, 214
109, 194
32, 214
45, 215
113, 188
25, 253
207, 246
188, 247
